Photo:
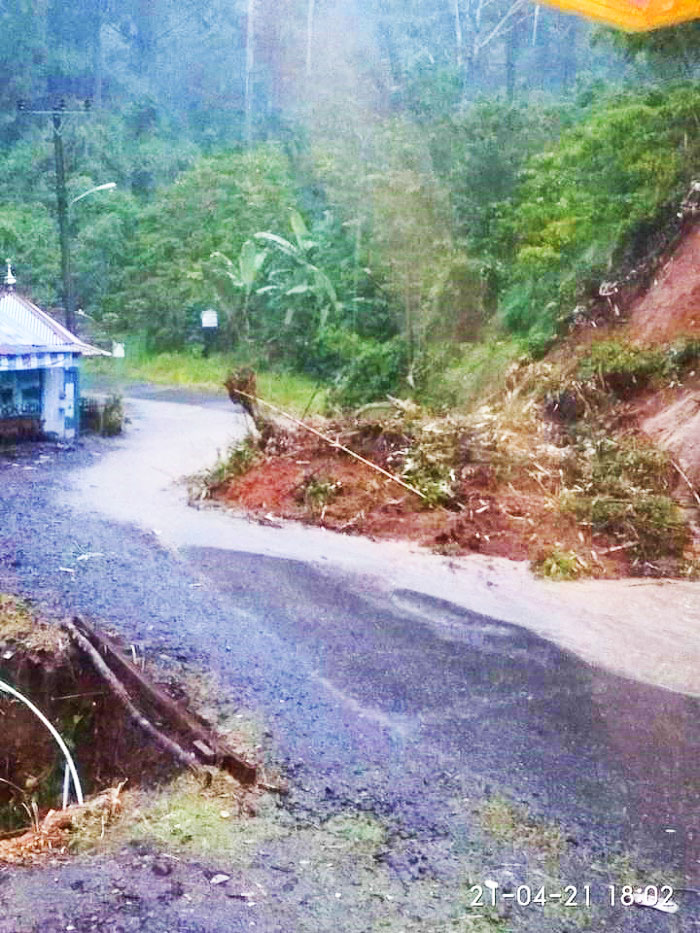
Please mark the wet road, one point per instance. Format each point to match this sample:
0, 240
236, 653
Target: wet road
380, 688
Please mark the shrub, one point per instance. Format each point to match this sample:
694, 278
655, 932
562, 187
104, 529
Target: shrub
112, 416
559, 565
622, 489
584, 201
377, 369
624, 368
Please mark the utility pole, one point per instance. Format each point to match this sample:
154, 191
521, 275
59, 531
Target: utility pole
57, 113
62, 207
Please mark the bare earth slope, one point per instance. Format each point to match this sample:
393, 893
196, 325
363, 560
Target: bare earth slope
668, 311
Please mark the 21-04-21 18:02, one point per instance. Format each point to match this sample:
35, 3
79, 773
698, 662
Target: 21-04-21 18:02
490, 894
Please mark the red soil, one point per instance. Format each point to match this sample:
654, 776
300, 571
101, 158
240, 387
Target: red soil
671, 307
670, 310
494, 519
519, 519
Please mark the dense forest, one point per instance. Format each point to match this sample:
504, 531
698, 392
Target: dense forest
369, 192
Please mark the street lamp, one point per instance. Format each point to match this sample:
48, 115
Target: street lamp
63, 208
109, 185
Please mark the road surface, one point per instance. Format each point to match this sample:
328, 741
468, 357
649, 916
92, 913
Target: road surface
389, 682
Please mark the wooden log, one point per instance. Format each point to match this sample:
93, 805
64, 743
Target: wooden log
207, 746
119, 690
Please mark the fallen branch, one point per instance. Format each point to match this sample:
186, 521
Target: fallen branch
620, 547
207, 746
336, 444
687, 481
188, 759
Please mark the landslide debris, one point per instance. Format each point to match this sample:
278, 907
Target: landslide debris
585, 463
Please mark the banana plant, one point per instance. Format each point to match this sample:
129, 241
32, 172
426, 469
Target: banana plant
243, 275
317, 282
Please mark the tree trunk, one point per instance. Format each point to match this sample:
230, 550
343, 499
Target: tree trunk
459, 38
570, 63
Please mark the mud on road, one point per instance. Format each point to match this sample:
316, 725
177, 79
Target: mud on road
428, 746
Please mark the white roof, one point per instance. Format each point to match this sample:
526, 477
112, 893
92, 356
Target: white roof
25, 328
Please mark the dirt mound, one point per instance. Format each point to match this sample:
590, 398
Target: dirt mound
671, 307
119, 729
496, 502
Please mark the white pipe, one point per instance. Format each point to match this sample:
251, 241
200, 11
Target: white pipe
6, 688
66, 787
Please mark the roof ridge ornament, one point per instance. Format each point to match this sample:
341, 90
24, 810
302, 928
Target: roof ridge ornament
9, 277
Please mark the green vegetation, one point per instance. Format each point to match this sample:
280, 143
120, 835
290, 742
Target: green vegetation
591, 200
238, 460
512, 824
393, 280
184, 815
622, 488
317, 492
293, 392
374, 234
624, 368
560, 565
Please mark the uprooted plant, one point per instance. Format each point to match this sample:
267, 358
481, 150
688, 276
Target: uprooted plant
621, 487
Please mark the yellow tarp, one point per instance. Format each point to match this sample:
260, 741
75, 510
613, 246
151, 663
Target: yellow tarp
636, 15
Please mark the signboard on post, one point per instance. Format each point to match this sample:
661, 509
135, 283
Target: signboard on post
210, 318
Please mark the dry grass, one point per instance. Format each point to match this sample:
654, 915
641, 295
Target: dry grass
55, 833
19, 625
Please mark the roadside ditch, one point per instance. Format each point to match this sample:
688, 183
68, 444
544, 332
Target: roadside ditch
110, 718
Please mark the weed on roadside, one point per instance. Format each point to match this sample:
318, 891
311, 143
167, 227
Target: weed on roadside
239, 458
357, 829
511, 823
560, 565
186, 814
317, 492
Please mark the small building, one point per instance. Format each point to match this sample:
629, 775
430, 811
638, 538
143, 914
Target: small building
39, 370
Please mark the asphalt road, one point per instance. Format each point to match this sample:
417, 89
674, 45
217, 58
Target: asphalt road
392, 702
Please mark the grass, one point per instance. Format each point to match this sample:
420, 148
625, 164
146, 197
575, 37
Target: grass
239, 458
182, 815
206, 821
622, 488
513, 825
360, 829
289, 391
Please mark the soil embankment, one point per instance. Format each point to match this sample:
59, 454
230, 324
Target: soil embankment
670, 311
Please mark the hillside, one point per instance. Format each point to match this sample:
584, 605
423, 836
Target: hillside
585, 463
668, 312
